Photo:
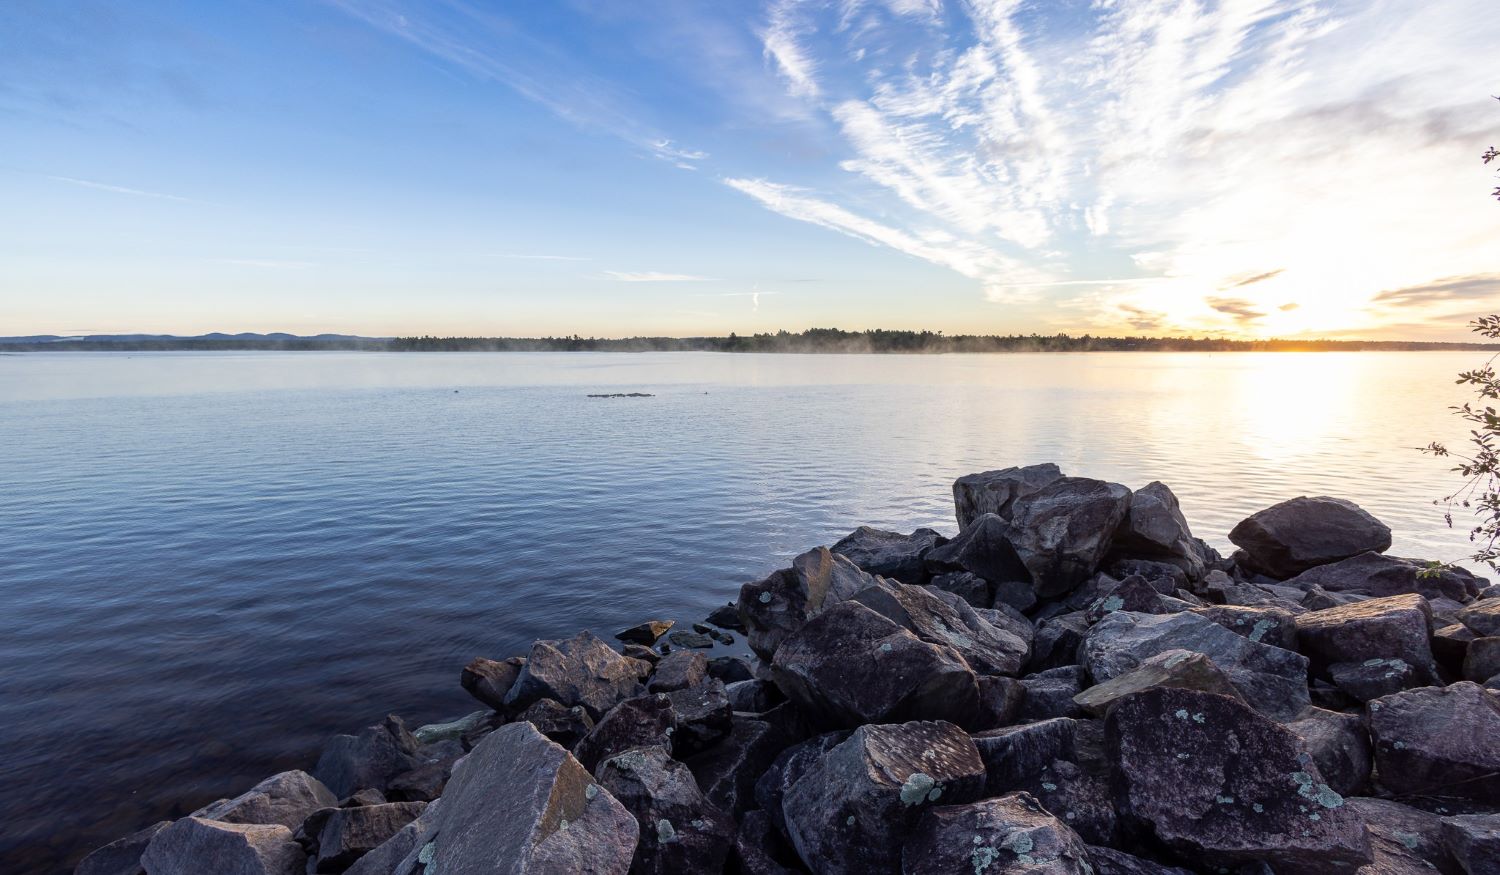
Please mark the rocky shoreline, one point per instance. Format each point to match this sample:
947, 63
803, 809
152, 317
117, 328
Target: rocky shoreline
1073, 684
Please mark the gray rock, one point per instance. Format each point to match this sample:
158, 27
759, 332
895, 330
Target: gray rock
1166, 577
854, 807
195, 846
1014, 594
787, 769
970, 587
1482, 617
727, 772
370, 759
1058, 641
1063, 531
996, 491
1000, 701
752, 695
695, 640
984, 549
1051, 694
644, 721
943, 619
1263, 624
644, 634
519, 803
1340, 744
121, 856
757, 848
1222, 785
350, 833
561, 724
1373, 678
1450, 646
678, 671
1394, 627
1420, 752
778, 606
1131, 594
1482, 659
1170, 668
1155, 528
387, 856
681, 831
488, 680
731, 668
701, 716
422, 784
1045, 759
1272, 680
286, 799
726, 617
432, 735
581, 670
1108, 861
1011, 834
851, 665
889, 554
1474, 841
1404, 839
1289, 538
1377, 575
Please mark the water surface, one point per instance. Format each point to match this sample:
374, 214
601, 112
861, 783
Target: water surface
210, 562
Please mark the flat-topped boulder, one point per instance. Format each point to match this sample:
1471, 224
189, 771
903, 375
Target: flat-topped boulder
890, 554
1394, 627
1377, 575
1286, 539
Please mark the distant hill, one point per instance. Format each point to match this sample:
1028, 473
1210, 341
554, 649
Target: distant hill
813, 340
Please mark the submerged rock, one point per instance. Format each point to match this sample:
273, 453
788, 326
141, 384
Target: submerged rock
1011, 834
194, 846
1222, 785
680, 830
1289, 538
854, 807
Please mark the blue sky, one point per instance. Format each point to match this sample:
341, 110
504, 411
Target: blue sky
1247, 167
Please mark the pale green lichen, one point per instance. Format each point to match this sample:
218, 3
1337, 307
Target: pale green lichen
765, 598
1257, 808
591, 791
849, 821
936, 792
1176, 659
665, 833
425, 855
916, 788
1048, 786
1410, 840
982, 858
1180, 714
886, 647
1322, 794
1112, 604
1020, 844
1224, 800
1260, 629
1198, 718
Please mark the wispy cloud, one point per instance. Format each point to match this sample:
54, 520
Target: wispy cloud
653, 276
120, 189
1257, 278
1239, 308
1454, 288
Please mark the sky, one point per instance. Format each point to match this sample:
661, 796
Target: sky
1249, 168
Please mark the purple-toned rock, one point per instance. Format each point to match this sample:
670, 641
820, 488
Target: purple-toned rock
787, 769
778, 606
488, 680
1043, 759
1474, 841
370, 759
984, 549
566, 726
678, 670
758, 848
1170, 668
1131, 594
644, 721
121, 856
286, 799
1050, 694
1063, 531
350, 833
1394, 627
1000, 701
681, 831
753, 695
1438, 741
1373, 678
1154, 528
1222, 785
1289, 538
1482, 659
970, 587
730, 669
581, 670
1272, 680
1011, 834
1376, 575
1263, 624
996, 491
727, 772
890, 554
523, 800
945, 620
194, 846
1108, 861
1482, 617
850, 666
853, 809
1340, 745
701, 716
1405, 840
1057, 642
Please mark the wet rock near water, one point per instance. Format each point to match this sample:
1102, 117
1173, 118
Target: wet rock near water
1073, 682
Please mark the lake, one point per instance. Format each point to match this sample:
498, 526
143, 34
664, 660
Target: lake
209, 563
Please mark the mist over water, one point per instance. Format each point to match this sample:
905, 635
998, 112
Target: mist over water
211, 562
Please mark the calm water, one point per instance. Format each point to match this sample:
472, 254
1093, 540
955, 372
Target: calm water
211, 562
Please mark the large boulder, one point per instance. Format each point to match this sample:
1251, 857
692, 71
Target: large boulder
1340, 744
350, 833
850, 665
1063, 531
1154, 528
1272, 680
787, 769
1404, 840
581, 670
945, 620
853, 809
1287, 539
368, 760
639, 722
701, 715
996, 491
287, 799
518, 803
727, 772
121, 856
1394, 627
1011, 834
1377, 575
1482, 618
1170, 668
1474, 841
195, 846
1223, 786
889, 554
488, 680
776, 607
1438, 741
1045, 759
1263, 624
983, 548
681, 831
